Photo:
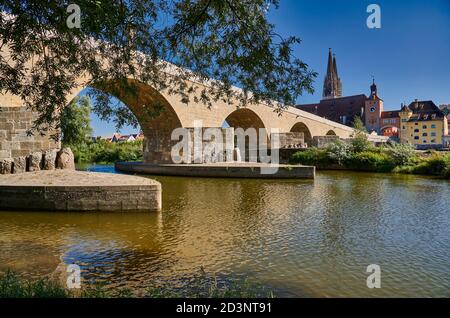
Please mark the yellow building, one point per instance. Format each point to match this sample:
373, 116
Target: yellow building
423, 125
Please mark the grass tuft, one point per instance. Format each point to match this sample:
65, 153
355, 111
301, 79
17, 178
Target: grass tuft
12, 286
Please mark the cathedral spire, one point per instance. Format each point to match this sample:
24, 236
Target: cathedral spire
338, 79
335, 65
332, 86
330, 68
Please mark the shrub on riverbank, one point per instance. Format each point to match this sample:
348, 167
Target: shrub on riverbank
311, 156
11, 286
370, 160
391, 158
436, 165
401, 154
102, 151
338, 152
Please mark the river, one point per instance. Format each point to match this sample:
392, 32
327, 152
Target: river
311, 238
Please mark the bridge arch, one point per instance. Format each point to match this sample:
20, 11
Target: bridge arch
155, 115
388, 126
331, 133
389, 130
301, 127
246, 118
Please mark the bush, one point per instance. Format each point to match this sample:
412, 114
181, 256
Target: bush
402, 154
436, 165
446, 172
311, 156
339, 152
360, 142
107, 152
370, 161
399, 158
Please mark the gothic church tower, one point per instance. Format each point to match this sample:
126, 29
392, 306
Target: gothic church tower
332, 86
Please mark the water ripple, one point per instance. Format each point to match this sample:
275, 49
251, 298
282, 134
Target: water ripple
299, 238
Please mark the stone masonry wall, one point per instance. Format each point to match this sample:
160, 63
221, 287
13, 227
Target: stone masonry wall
14, 141
323, 141
291, 139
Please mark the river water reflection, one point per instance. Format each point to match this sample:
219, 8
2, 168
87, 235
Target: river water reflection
298, 238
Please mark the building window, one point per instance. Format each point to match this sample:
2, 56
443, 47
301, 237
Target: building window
424, 141
424, 126
433, 141
403, 127
416, 124
433, 126
433, 134
416, 130
416, 137
424, 135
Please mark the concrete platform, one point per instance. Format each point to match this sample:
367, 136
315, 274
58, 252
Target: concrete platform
218, 170
69, 190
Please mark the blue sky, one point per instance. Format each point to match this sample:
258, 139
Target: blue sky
409, 56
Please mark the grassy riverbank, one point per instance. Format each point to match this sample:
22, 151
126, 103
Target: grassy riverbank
12, 286
104, 152
393, 158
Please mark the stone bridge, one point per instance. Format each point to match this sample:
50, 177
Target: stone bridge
159, 112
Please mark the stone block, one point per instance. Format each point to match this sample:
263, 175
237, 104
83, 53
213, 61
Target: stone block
323, 141
5, 154
5, 145
19, 152
49, 159
20, 165
65, 159
35, 161
21, 135
6, 166
6, 126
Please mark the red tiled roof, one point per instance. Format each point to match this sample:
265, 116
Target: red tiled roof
390, 114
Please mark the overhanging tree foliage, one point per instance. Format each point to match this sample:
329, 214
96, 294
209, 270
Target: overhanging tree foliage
230, 41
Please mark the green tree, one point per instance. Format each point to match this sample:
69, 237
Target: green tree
229, 41
359, 141
358, 125
76, 122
